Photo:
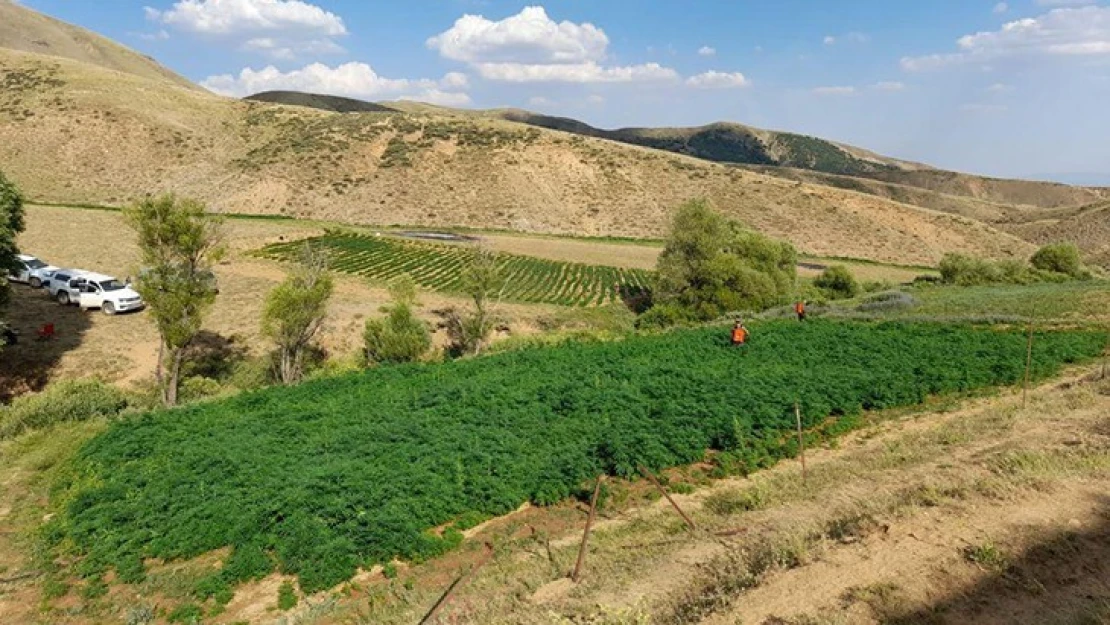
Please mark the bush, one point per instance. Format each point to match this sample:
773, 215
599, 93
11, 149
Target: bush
837, 282
963, 270
1058, 258
62, 402
287, 597
398, 337
887, 301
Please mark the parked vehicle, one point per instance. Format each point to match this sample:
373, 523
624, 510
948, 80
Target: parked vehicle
106, 293
58, 287
31, 270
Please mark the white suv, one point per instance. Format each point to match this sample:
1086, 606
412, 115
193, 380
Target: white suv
31, 271
106, 293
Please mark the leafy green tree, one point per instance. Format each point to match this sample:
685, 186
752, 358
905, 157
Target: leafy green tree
295, 310
11, 224
712, 265
483, 282
179, 244
837, 282
399, 336
1059, 258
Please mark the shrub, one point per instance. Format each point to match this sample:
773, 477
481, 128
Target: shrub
399, 336
287, 596
1058, 258
887, 301
65, 401
963, 270
837, 282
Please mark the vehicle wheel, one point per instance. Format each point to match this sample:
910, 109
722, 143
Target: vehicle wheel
35, 283
63, 298
109, 308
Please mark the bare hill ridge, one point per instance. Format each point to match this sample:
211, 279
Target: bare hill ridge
24, 29
73, 132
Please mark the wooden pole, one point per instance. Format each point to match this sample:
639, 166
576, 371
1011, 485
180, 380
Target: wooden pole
801, 440
649, 476
1028, 361
446, 596
574, 577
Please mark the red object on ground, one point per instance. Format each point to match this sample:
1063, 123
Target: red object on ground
46, 332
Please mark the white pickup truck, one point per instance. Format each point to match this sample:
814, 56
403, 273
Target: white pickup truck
94, 290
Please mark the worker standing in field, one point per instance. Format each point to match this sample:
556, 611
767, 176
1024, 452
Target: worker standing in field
800, 309
739, 333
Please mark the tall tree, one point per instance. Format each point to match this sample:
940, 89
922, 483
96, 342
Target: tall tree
712, 265
295, 310
483, 282
11, 224
179, 244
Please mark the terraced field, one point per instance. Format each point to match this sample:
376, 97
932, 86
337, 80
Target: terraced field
439, 268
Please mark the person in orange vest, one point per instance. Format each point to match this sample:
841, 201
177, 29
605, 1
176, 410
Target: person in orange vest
800, 310
739, 333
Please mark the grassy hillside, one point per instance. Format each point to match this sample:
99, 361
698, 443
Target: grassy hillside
72, 132
735, 143
30, 31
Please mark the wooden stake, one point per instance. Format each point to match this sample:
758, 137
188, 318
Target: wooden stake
649, 476
586, 534
1028, 361
801, 440
443, 599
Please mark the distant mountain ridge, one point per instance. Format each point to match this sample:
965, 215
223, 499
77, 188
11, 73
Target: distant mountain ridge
335, 104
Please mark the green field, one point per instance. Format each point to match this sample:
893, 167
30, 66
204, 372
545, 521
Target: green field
439, 268
319, 479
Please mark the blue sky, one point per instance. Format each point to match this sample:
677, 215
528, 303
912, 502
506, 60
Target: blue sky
1004, 88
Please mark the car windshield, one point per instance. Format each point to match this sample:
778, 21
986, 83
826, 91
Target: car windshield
34, 263
112, 285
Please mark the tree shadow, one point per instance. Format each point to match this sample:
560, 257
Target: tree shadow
214, 356
1064, 578
26, 366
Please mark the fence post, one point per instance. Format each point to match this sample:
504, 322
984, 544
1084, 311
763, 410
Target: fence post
648, 475
1028, 360
801, 440
586, 534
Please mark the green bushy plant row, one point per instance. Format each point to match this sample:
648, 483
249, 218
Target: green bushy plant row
318, 479
439, 267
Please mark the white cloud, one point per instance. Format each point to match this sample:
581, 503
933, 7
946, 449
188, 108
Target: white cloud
353, 80
589, 72
595, 100
539, 100
834, 90
1001, 8
889, 86
160, 35
281, 29
1066, 32
718, 80
852, 37
999, 88
527, 37
707, 51
532, 47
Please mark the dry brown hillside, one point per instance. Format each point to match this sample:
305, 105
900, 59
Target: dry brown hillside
27, 30
72, 132
1088, 228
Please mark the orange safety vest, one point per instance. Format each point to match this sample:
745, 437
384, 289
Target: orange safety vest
800, 307
739, 335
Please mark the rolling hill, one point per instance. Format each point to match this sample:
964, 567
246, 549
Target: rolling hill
744, 145
104, 128
30, 31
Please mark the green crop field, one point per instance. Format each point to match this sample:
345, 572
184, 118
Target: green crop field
318, 479
439, 268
